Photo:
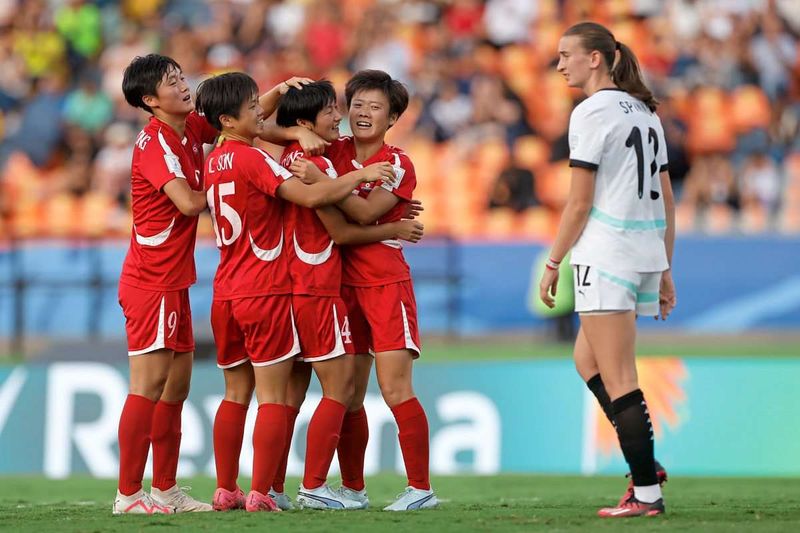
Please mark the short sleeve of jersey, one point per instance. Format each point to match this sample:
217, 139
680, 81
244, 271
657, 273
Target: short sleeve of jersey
587, 136
661, 154
158, 162
204, 131
325, 165
405, 178
265, 173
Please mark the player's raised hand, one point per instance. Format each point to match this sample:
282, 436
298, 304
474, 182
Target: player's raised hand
667, 299
297, 82
311, 143
306, 171
412, 209
410, 230
548, 286
378, 171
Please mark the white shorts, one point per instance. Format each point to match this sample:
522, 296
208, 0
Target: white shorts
601, 290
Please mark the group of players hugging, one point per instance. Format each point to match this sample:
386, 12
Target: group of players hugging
311, 275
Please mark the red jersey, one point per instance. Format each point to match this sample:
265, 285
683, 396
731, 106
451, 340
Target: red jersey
380, 263
315, 263
241, 186
161, 253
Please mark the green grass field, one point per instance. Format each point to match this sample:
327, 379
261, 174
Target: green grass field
497, 503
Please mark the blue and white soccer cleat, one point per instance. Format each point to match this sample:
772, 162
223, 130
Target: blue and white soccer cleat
324, 498
283, 501
413, 500
359, 496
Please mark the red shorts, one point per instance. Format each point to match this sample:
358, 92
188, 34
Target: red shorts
323, 327
259, 329
383, 318
156, 320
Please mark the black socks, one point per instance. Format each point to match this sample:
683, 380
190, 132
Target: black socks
595, 385
635, 433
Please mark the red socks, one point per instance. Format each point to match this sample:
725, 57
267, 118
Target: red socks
352, 448
165, 435
134, 441
228, 435
413, 435
323, 436
269, 439
280, 475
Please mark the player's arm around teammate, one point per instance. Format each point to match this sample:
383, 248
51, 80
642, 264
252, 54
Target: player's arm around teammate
159, 267
619, 223
251, 315
323, 325
377, 288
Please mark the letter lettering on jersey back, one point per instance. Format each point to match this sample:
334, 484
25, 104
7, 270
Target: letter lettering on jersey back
142, 139
225, 162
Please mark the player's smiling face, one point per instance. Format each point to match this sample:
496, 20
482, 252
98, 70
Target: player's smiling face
173, 95
369, 115
250, 123
327, 122
575, 63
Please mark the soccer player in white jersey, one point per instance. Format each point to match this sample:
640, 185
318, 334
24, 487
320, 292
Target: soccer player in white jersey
619, 222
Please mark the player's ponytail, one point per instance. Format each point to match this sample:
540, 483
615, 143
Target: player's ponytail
628, 77
624, 70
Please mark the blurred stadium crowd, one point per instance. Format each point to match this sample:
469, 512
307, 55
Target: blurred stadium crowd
487, 124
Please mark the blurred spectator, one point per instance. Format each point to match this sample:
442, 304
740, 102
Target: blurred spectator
463, 19
325, 39
711, 182
79, 23
761, 183
775, 53
112, 168
514, 188
450, 111
508, 21
496, 107
36, 41
675, 135
381, 48
87, 107
13, 81
39, 131
115, 57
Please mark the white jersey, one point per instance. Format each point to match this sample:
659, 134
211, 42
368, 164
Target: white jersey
617, 136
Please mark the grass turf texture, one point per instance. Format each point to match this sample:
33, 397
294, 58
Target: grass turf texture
495, 503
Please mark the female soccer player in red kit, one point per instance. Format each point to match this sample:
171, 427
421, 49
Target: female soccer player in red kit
251, 314
377, 288
166, 196
316, 271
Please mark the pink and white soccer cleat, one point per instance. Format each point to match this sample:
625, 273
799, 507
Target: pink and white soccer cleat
228, 500
139, 503
260, 502
633, 507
